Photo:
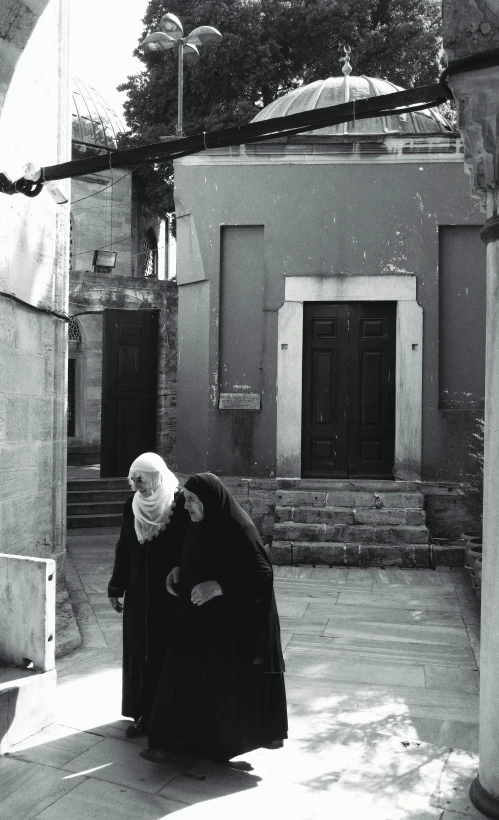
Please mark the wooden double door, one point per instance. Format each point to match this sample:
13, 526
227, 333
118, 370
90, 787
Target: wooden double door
129, 377
348, 390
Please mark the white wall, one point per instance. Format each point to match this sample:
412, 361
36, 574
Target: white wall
34, 233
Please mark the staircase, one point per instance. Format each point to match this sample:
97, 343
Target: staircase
96, 502
352, 523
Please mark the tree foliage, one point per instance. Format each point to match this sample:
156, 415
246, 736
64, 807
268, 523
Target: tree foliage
268, 48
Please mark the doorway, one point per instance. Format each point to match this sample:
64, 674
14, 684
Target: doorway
129, 377
348, 412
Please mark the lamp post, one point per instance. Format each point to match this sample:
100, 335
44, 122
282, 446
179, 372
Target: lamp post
171, 35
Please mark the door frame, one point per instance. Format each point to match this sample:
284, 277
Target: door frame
399, 288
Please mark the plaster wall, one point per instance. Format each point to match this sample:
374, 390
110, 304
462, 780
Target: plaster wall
34, 126
329, 212
101, 208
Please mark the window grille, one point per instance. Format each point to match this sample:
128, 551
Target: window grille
71, 396
74, 332
148, 258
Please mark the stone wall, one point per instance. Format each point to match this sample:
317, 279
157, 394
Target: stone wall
447, 507
90, 294
34, 126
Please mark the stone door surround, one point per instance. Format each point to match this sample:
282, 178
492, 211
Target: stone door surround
399, 288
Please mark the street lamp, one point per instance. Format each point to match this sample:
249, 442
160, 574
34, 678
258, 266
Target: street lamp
170, 36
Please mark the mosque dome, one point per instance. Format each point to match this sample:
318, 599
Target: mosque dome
95, 125
338, 90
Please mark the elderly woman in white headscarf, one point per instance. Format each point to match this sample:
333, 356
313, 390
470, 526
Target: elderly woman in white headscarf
148, 548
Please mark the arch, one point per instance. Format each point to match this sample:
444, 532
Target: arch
18, 22
74, 331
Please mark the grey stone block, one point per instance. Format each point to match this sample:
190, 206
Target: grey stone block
280, 553
328, 554
370, 516
363, 534
402, 500
449, 555
292, 498
416, 518
322, 515
299, 532
402, 535
340, 498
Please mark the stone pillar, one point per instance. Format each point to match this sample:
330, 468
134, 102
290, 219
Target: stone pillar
471, 28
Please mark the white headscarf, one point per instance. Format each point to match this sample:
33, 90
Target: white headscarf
153, 513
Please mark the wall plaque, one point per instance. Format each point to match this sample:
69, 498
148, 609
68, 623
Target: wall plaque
239, 401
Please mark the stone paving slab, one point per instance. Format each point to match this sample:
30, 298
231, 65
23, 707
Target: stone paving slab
382, 689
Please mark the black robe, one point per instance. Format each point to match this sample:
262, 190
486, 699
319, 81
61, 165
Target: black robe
139, 574
221, 691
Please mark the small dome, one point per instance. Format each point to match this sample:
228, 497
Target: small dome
95, 124
338, 90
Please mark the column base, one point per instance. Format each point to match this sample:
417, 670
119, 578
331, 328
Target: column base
483, 801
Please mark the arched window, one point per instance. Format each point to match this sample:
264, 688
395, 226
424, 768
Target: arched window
74, 332
148, 259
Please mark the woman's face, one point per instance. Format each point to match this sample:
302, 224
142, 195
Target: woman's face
140, 484
193, 506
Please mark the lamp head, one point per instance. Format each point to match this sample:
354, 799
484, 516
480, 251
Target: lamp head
157, 41
204, 36
190, 55
172, 26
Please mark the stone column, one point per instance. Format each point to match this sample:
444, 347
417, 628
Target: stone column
471, 28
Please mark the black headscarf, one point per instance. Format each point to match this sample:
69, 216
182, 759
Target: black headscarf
222, 513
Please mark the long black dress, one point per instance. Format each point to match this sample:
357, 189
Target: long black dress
139, 574
221, 691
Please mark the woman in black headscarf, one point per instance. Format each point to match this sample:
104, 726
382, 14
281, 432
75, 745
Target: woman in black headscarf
149, 546
221, 692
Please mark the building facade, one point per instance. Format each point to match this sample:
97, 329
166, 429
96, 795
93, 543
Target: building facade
121, 367
331, 300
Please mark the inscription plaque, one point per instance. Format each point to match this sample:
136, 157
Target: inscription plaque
239, 401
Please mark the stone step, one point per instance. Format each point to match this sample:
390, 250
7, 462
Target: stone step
342, 515
366, 555
98, 484
347, 485
95, 508
102, 520
75, 496
344, 533
352, 554
350, 499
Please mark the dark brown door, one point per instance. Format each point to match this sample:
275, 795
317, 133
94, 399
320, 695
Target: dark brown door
128, 388
348, 390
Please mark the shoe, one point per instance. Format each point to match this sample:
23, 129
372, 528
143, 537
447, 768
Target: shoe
138, 728
155, 755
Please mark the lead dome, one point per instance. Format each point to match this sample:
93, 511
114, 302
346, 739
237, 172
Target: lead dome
338, 90
95, 124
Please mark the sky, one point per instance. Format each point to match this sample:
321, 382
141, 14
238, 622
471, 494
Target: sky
103, 36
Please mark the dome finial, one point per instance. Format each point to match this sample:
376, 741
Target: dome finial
347, 68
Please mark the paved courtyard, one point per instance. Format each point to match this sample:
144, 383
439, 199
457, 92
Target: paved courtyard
382, 683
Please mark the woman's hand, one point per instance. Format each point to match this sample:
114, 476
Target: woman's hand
173, 580
116, 605
205, 591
